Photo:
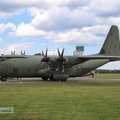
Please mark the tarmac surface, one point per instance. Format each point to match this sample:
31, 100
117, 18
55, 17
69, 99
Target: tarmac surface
70, 80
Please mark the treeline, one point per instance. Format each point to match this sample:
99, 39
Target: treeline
106, 71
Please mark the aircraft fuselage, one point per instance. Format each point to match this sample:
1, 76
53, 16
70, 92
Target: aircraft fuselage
32, 66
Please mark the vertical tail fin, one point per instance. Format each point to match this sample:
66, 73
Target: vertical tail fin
111, 45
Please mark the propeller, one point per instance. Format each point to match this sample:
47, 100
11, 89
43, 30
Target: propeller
22, 53
45, 58
61, 60
13, 52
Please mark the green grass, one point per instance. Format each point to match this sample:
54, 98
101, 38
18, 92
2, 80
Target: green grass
61, 101
107, 76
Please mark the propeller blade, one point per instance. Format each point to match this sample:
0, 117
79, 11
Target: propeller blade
46, 53
14, 52
58, 52
62, 53
60, 58
42, 53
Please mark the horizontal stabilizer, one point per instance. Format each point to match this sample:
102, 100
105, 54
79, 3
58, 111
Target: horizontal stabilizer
111, 58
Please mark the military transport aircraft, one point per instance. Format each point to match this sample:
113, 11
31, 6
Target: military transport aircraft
60, 67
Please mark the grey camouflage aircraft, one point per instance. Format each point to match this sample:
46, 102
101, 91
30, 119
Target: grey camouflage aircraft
60, 67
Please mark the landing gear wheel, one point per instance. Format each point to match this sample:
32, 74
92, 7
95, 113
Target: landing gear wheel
56, 80
51, 78
63, 80
45, 78
3, 79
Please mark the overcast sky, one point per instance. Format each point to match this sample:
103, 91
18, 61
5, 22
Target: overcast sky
34, 25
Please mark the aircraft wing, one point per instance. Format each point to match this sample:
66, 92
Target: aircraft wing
72, 60
12, 56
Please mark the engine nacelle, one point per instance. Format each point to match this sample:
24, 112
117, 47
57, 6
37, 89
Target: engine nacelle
43, 73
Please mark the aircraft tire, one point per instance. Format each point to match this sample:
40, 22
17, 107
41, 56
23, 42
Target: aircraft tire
63, 80
45, 78
3, 79
56, 80
51, 78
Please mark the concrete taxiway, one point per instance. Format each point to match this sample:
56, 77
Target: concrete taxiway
70, 80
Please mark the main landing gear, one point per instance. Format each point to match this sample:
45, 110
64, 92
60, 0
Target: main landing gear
52, 79
3, 79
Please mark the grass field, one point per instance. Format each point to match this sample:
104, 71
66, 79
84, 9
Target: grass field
107, 76
61, 101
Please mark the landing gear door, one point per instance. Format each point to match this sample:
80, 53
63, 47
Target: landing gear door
74, 72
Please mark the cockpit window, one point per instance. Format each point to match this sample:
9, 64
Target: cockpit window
2, 59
